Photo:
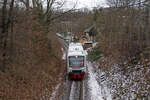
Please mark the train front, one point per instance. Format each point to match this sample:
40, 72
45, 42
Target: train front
77, 66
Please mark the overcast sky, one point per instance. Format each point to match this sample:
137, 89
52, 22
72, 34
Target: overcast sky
86, 3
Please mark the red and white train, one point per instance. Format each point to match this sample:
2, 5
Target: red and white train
76, 61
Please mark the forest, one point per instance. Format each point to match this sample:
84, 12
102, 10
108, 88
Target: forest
30, 53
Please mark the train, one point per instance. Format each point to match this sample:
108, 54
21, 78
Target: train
76, 61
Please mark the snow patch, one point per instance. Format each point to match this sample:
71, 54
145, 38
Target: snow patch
95, 88
130, 83
98, 91
64, 54
72, 91
54, 92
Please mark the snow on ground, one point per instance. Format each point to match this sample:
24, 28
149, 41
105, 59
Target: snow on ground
130, 82
54, 92
64, 54
96, 91
72, 91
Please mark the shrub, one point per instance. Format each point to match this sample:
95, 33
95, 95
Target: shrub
95, 54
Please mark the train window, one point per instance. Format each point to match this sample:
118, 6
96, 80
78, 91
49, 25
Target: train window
76, 61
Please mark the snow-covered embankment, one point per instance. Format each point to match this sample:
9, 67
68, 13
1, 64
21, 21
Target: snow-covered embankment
96, 91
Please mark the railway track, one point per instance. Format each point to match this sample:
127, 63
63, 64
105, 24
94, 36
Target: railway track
73, 90
76, 92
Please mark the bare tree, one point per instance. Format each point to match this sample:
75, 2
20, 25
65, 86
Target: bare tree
5, 26
147, 21
4, 30
121, 3
26, 3
52, 6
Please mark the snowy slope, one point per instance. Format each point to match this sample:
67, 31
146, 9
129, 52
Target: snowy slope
129, 81
96, 90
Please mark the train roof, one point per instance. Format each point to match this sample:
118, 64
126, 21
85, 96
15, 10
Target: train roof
76, 49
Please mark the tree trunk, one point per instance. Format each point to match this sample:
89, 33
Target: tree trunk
147, 23
11, 31
34, 4
28, 5
5, 32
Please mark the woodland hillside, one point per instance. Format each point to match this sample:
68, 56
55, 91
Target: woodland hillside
30, 53
30, 56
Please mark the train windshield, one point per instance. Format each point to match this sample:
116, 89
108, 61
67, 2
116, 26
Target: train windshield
76, 61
